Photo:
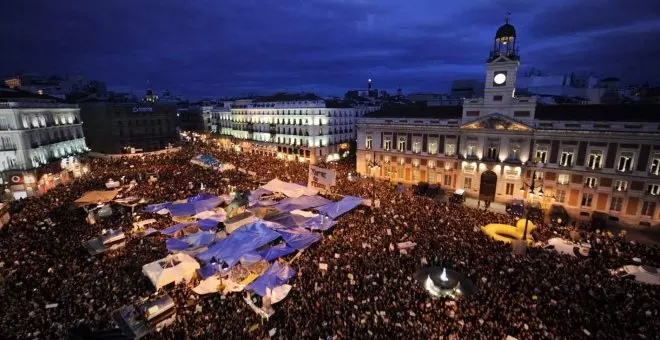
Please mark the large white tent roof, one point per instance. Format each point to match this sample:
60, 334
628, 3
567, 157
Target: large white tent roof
171, 269
288, 189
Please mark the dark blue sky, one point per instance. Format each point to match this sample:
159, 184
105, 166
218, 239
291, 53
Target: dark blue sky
234, 47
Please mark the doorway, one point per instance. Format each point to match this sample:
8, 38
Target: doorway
488, 186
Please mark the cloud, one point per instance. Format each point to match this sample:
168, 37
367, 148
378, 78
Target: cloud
212, 48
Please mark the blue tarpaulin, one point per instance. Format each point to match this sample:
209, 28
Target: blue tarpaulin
275, 275
208, 270
173, 229
302, 202
207, 160
288, 220
336, 209
299, 238
192, 208
152, 208
207, 224
243, 240
276, 252
250, 258
254, 196
174, 244
320, 222
200, 197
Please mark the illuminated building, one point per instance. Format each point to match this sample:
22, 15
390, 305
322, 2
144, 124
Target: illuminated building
39, 140
588, 157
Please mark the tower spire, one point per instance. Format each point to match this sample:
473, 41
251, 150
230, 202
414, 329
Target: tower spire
507, 16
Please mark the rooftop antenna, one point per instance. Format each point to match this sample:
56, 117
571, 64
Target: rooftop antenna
507, 16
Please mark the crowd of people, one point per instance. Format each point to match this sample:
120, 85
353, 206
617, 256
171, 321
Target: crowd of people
52, 286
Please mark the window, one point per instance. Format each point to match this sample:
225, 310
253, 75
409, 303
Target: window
620, 185
616, 203
566, 158
447, 179
541, 154
416, 147
655, 165
369, 142
415, 175
509, 188
497, 98
432, 177
386, 171
514, 151
431, 164
402, 144
595, 160
450, 149
467, 183
653, 189
399, 171
471, 147
625, 161
388, 144
560, 195
563, 179
590, 182
492, 152
433, 147
648, 209
586, 200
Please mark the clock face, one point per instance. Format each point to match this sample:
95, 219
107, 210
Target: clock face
499, 78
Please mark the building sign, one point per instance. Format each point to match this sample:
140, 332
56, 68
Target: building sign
321, 178
143, 109
16, 179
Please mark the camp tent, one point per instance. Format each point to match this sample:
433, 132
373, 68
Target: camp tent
288, 189
644, 274
95, 197
171, 269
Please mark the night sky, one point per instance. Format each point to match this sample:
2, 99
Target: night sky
235, 47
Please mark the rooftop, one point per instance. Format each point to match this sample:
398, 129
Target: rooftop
338, 104
288, 97
600, 112
7, 94
418, 111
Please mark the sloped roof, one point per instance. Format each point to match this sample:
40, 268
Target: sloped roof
600, 112
418, 111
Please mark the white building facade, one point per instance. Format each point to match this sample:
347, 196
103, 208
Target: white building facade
586, 157
39, 143
295, 127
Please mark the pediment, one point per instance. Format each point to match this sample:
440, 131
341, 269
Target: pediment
496, 122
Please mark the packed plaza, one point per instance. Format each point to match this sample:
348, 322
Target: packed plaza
53, 288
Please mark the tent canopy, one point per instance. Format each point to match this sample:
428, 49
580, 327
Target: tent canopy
288, 189
277, 251
194, 207
243, 240
302, 202
274, 276
171, 269
337, 209
96, 196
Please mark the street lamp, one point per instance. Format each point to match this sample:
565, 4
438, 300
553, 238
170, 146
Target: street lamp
532, 186
374, 166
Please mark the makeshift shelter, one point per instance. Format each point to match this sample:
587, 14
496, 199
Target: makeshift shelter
336, 209
171, 269
194, 207
276, 275
189, 242
643, 274
243, 240
276, 252
288, 189
152, 208
112, 239
302, 202
299, 238
239, 221
96, 197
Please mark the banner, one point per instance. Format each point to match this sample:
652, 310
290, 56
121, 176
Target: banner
321, 178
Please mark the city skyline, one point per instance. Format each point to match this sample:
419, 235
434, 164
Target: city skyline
323, 46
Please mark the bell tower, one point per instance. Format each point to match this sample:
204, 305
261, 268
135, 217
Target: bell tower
502, 67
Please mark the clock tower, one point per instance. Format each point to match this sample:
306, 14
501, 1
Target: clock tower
502, 67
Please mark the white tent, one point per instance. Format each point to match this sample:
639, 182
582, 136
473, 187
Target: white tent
289, 189
567, 247
644, 274
171, 269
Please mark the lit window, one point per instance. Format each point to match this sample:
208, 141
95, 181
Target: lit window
468, 183
431, 164
566, 158
563, 179
509, 188
653, 189
560, 195
541, 154
368, 142
388, 144
620, 185
433, 147
417, 147
447, 180
625, 161
655, 165
450, 149
595, 160
590, 182
401, 147
492, 152
514, 152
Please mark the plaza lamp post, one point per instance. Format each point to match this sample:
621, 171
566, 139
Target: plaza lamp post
532, 186
374, 167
